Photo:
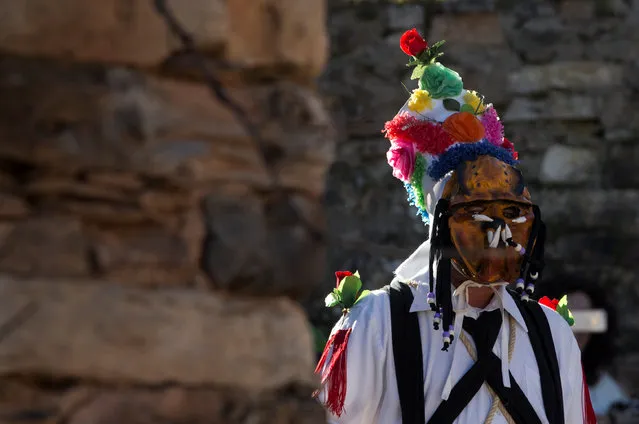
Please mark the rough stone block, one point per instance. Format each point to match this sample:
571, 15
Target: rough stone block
483, 69
110, 334
555, 107
285, 33
254, 245
349, 79
539, 136
113, 118
569, 165
577, 76
601, 248
471, 28
200, 406
346, 38
12, 206
577, 9
253, 34
596, 209
86, 403
148, 256
620, 167
107, 30
44, 246
402, 17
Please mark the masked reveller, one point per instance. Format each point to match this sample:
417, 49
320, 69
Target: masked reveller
456, 336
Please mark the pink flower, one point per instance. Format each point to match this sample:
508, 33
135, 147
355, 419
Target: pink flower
401, 156
493, 128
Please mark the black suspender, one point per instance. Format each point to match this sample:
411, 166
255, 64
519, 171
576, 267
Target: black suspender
544, 349
407, 350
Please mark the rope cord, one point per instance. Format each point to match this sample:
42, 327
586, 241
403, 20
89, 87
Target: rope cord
497, 405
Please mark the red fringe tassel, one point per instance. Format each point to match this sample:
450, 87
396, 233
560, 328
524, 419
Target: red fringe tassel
334, 375
589, 412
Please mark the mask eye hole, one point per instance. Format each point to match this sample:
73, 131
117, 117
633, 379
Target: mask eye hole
512, 212
474, 210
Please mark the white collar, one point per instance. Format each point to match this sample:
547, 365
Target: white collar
501, 300
420, 291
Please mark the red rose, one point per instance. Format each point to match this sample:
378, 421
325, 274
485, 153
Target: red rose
412, 43
552, 304
340, 275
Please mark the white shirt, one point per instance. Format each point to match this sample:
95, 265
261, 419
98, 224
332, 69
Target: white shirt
371, 389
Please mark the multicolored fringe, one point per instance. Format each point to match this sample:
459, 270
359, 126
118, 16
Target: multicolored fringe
415, 189
334, 375
463, 152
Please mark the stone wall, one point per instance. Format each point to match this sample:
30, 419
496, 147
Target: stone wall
563, 75
147, 240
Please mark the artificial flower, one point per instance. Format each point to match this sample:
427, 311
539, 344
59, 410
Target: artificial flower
348, 291
412, 43
428, 137
440, 81
419, 101
551, 303
473, 100
464, 127
401, 157
510, 147
493, 127
340, 275
560, 306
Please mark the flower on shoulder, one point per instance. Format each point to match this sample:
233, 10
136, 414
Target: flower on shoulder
348, 291
551, 303
560, 306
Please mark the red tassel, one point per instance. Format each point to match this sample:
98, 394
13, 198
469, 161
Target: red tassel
588, 412
334, 375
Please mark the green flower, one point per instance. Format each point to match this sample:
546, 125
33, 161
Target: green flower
562, 309
348, 291
440, 81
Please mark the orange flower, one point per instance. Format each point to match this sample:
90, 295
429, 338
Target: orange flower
464, 127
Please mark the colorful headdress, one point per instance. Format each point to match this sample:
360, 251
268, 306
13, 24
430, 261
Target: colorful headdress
441, 126
448, 148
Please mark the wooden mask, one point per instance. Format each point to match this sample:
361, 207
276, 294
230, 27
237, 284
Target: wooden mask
491, 219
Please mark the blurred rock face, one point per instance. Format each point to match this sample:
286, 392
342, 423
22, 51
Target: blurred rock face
143, 235
563, 77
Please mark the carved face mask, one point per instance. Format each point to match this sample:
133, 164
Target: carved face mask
489, 237
491, 220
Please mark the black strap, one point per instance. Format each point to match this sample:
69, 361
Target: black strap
487, 368
407, 350
544, 349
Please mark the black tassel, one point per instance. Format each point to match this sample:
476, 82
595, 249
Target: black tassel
533, 261
441, 248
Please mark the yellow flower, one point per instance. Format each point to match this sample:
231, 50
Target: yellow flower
472, 99
419, 101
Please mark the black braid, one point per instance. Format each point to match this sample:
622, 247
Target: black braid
441, 248
537, 255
